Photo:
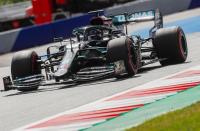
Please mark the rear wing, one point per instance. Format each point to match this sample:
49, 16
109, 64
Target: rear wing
142, 16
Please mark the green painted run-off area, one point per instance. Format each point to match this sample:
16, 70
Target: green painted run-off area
149, 111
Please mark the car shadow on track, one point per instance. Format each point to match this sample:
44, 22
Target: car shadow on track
76, 85
147, 69
62, 87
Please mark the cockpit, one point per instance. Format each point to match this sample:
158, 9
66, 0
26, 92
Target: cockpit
93, 33
101, 20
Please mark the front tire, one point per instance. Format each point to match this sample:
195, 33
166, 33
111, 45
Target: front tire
123, 49
25, 64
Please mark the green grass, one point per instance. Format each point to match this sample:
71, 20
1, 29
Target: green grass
187, 119
5, 2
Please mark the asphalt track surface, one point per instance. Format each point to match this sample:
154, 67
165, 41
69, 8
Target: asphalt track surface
18, 109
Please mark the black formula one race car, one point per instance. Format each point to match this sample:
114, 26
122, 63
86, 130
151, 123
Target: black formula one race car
99, 50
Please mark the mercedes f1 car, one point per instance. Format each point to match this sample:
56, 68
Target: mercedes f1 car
99, 50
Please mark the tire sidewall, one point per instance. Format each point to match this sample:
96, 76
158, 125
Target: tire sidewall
171, 44
130, 62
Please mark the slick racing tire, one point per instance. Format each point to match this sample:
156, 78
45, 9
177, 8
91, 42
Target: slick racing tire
171, 45
123, 49
25, 64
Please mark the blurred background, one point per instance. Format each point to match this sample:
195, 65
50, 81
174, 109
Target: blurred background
21, 13
29, 23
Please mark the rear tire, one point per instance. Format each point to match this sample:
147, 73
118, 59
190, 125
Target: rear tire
171, 45
25, 64
123, 49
